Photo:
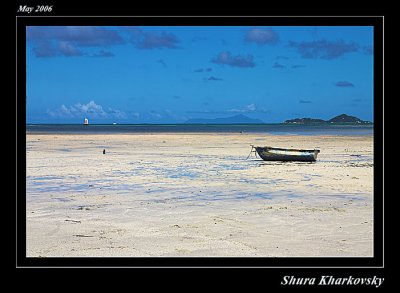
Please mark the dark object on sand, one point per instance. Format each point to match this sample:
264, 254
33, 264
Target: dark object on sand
104, 151
280, 154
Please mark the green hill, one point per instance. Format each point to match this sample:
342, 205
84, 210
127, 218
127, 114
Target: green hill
343, 118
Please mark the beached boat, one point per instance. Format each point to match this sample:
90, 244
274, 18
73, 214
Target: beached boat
86, 121
281, 154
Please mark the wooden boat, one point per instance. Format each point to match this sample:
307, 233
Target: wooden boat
280, 154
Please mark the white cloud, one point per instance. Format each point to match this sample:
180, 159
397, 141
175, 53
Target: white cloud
261, 36
156, 115
246, 109
250, 108
90, 110
117, 113
65, 110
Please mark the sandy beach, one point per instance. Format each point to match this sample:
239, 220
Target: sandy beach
191, 194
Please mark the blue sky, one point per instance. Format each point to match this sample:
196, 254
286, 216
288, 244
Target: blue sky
171, 74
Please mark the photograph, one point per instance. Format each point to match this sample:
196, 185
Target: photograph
201, 141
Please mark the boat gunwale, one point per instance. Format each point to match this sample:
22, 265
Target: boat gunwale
283, 149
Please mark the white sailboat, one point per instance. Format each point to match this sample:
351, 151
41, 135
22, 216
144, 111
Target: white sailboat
86, 121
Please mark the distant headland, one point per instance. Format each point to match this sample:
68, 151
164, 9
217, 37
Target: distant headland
343, 118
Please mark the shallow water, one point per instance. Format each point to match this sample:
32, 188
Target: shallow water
275, 129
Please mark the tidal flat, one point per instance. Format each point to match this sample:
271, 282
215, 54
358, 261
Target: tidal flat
196, 194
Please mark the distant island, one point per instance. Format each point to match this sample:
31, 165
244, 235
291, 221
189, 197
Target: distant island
242, 119
343, 118
237, 119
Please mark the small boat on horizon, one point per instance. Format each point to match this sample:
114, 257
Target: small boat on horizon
86, 121
282, 154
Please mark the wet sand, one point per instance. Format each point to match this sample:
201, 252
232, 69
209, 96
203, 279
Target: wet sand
197, 195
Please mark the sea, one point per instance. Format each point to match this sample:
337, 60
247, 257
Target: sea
273, 129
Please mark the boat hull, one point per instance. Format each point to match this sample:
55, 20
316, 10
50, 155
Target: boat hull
278, 154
